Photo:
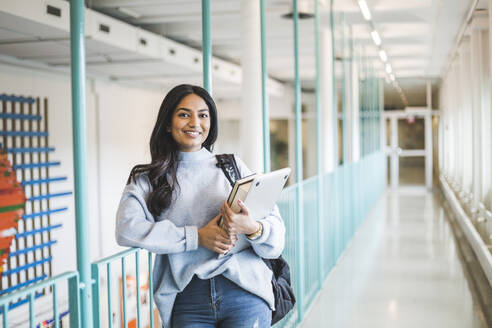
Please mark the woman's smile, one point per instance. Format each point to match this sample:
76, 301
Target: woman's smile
192, 134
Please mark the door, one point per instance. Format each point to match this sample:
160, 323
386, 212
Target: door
409, 149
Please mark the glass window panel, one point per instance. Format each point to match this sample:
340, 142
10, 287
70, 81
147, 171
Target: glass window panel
411, 133
412, 170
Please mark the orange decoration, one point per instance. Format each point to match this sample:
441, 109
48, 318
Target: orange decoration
12, 201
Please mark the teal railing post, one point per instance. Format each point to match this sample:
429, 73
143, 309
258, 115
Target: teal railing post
264, 94
319, 149
96, 315
137, 282
5, 312
343, 186
74, 302
299, 195
334, 104
56, 313
344, 94
151, 290
206, 46
77, 51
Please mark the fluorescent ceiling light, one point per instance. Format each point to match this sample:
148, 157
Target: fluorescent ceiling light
388, 68
365, 9
376, 38
383, 56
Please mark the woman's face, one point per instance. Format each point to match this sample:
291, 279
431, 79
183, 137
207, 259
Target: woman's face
190, 123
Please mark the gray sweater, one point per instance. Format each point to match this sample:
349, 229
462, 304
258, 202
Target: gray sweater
173, 235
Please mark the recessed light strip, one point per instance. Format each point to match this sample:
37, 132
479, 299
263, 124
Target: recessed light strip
365, 10
376, 38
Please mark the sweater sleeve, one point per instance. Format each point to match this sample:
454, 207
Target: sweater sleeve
272, 241
136, 226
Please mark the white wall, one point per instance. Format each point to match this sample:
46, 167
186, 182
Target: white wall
119, 123
126, 117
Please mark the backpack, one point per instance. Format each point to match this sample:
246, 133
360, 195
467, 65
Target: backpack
282, 289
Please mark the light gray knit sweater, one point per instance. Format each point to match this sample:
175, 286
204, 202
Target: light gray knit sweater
173, 235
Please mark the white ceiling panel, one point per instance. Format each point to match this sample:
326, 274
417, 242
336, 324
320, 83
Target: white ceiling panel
417, 35
35, 50
7, 35
136, 68
32, 28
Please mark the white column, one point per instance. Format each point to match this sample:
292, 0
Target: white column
476, 89
428, 150
488, 110
444, 107
326, 81
250, 128
383, 118
486, 120
395, 174
455, 120
466, 114
428, 138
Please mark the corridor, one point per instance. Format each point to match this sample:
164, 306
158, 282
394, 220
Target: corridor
359, 98
402, 269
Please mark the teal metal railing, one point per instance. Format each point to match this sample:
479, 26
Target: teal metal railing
103, 270
360, 185
31, 293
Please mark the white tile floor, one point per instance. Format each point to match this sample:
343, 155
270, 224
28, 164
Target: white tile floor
401, 270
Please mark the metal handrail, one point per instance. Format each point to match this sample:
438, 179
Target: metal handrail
72, 278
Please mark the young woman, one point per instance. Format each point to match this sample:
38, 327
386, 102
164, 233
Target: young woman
171, 207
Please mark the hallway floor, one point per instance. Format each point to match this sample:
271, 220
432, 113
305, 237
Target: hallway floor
401, 270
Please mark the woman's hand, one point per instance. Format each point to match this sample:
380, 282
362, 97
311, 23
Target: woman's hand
239, 223
215, 238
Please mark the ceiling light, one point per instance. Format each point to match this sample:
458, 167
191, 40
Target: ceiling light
388, 68
376, 38
365, 9
383, 56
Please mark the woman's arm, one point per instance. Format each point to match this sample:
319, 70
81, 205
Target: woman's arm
136, 227
272, 240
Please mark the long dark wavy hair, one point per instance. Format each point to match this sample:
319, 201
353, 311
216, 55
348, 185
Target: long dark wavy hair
165, 151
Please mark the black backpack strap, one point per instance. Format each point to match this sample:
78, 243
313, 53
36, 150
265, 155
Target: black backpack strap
228, 164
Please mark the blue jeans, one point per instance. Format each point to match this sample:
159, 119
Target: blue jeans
218, 302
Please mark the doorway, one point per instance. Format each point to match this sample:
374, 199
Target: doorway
409, 148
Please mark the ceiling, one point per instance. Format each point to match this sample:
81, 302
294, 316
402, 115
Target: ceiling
417, 35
